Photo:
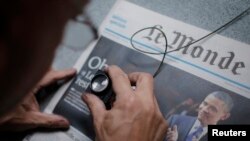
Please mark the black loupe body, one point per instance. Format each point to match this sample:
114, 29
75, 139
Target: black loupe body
101, 86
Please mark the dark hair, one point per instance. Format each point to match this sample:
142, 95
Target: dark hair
225, 97
8, 9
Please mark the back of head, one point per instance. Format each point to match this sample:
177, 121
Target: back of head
30, 31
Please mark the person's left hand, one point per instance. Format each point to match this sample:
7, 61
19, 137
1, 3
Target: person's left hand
27, 114
195, 139
172, 134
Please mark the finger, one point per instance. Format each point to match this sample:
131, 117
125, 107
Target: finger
194, 138
175, 128
53, 76
170, 136
120, 82
144, 86
143, 81
96, 106
38, 119
169, 129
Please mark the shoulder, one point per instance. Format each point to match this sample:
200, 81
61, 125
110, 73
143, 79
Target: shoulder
180, 118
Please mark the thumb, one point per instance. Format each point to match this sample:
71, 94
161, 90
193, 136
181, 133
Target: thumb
96, 106
49, 120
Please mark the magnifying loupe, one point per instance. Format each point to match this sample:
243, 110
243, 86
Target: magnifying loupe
99, 83
101, 86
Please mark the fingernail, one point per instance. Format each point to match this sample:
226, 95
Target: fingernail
63, 123
106, 66
72, 70
85, 97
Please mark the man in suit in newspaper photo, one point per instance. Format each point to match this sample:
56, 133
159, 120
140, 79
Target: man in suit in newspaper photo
214, 108
30, 32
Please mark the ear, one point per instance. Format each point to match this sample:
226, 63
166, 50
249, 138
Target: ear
225, 116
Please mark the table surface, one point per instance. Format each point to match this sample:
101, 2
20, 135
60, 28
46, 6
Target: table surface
206, 14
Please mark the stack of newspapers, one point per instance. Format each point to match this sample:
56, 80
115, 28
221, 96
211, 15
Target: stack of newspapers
132, 37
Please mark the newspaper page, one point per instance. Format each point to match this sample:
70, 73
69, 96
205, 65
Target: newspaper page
188, 76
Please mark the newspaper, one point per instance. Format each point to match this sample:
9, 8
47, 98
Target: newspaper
186, 78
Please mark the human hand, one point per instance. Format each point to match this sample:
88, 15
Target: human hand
195, 139
172, 134
135, 115
27, 114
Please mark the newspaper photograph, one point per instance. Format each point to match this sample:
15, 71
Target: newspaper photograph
190, 87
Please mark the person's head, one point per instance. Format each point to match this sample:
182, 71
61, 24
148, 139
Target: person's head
30, 31
215, 107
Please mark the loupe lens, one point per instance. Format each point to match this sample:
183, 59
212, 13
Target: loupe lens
99, 83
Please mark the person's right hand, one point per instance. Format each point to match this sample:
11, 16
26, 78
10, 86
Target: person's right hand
172, 134
135, 115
